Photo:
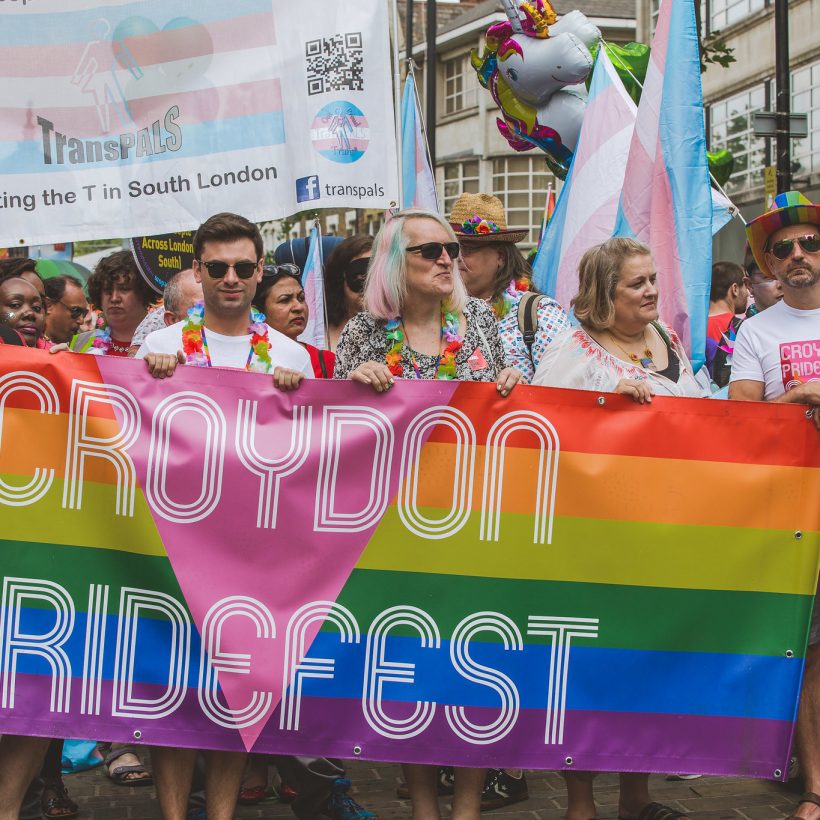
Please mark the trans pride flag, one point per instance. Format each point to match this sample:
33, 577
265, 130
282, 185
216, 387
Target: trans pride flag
666, 201
202, 561
313, 281
588, 203
418, 182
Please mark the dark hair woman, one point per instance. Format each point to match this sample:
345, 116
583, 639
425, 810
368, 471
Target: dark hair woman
345, 272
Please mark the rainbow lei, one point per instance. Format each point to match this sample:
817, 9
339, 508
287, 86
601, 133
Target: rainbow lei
195, 342
446, 364
102, 338
477, 225
503, 305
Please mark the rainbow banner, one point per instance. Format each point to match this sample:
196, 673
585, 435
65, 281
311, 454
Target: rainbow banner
129, 117
555, 580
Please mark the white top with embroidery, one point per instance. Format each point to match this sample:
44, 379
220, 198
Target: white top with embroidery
576, 360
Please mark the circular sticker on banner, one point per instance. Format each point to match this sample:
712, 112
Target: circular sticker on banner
160, 257
340, 132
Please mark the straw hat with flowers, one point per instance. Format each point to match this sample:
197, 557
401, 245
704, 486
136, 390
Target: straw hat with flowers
481, 217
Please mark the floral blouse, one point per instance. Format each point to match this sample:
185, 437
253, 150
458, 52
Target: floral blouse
551, 321
480, 359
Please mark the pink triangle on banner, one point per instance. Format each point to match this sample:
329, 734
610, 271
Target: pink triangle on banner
225, 554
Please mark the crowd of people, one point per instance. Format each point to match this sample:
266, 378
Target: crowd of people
427, 298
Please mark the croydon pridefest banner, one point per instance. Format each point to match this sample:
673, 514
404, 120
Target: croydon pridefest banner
135, 117
555, 580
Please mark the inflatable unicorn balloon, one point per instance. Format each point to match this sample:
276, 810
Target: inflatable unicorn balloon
535, 65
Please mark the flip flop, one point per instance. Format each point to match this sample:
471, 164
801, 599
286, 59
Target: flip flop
657, 811
807, 797
119, 775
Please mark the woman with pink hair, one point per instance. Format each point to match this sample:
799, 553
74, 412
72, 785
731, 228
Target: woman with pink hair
419, 322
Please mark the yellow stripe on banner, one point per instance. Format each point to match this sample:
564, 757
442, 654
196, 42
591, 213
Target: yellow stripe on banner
635, 488
596, 551
46, 522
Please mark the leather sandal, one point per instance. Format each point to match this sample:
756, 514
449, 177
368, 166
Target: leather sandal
806, 797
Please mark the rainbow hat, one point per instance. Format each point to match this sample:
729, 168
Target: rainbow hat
791, 208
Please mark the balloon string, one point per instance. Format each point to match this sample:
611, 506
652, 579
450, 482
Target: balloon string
733, 210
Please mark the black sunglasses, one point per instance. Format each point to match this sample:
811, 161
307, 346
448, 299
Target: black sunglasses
783, 249
356, 273
76, 313
285, 269
218, 269
432, 250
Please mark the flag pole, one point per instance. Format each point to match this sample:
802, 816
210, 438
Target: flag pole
318, 225
734, 210
397, 93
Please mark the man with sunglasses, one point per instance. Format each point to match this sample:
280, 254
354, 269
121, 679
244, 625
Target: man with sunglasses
228, 261
66, 307
777, 358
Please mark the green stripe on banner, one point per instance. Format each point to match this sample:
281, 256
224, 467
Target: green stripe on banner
647, 618
601, 551
76, 568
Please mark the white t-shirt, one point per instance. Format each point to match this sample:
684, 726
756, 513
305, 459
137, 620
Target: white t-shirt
780, 347
230, 351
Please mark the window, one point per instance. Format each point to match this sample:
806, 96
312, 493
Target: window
332, 225
521, 183
728, 12
806, 100
350, 222
460, 85
731, 128
458, 178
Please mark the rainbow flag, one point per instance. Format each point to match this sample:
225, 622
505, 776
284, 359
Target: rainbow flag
201, 561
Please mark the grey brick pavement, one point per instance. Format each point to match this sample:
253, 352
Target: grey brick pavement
375, 784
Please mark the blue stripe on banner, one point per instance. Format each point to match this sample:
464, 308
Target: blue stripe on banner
82, 27
601, 679
198, 140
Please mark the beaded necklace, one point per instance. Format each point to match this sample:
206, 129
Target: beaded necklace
446, 360
195, 341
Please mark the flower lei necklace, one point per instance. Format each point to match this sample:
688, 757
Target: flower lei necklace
503, 305
195, 342
103, 341
446, 362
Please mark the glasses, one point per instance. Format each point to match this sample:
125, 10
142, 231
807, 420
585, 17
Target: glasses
285, 269
76, 313
218, 269
432, 250
783, 249
356, 273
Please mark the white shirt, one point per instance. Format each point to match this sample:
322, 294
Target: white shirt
230, 351
780, 347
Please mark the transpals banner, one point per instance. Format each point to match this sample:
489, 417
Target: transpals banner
555, 580
133, 117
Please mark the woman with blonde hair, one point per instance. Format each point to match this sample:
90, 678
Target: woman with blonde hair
620, 347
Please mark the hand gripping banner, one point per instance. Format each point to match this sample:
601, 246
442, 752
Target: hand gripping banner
555, 580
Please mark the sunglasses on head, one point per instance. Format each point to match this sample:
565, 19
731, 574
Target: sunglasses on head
356, 273
810, 243
218, 269
432, 250
285, 269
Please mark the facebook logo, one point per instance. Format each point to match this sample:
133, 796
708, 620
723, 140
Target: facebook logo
307, 188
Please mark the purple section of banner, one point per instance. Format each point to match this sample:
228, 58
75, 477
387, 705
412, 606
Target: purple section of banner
337, 728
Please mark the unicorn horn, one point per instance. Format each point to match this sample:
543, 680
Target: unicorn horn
511, 9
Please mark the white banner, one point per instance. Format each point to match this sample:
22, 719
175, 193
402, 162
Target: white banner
147, 116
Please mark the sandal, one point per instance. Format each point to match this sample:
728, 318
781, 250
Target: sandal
55, 801
119, 774
807, 797
657, 811
250, 795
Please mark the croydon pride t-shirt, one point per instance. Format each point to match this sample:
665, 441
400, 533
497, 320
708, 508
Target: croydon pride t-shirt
230, 351
780, 347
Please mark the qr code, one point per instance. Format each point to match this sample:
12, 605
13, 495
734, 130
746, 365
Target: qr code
335, 63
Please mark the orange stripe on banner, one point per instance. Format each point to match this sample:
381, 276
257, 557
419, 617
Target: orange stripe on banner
33, 439
630, 488
698, 429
